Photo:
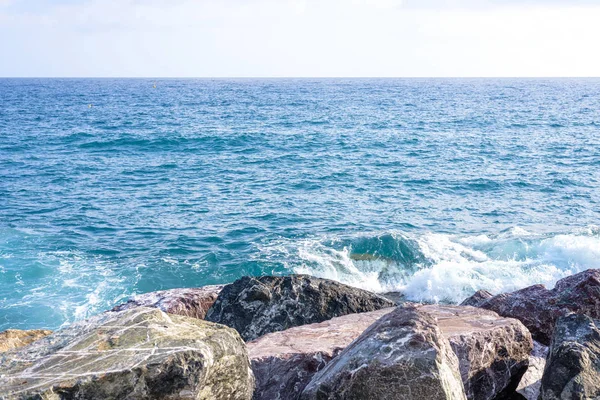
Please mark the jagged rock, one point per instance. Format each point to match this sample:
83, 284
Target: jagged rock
479, 297
493, 352
255, 306
401, 356
284, 362
192, 302
539, 308
529, 386
141, 353
573, 364
14, 338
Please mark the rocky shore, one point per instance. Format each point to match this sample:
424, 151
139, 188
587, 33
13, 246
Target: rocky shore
301, 337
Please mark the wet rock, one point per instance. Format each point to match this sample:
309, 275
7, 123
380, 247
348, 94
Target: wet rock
15, 338
141, 353
192, 302
573, 365
529, 386
284, 362
255, 306
539, 308
493, 352
479, 297
401, 356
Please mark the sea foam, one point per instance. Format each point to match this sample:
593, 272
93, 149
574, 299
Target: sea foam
442, 267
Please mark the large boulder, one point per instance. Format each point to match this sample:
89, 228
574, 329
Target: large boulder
140, 353
573, 364
15, 338
539, 308
284, 362
255, 306
192, 302
493, 352
403, 355
529, 386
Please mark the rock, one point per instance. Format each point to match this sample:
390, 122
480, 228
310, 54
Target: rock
529, 386
539, 308
573, 364
14, 338
141, 353
193, 302
397, 297
479, 297
493, 352
284, 362
401, 356
255, 306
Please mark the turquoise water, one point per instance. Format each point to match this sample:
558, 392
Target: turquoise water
437, 188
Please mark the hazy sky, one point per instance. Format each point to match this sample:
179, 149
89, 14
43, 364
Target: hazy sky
204, 38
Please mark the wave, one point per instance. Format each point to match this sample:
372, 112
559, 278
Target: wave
435, 267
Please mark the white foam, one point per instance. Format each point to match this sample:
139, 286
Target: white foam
456, 266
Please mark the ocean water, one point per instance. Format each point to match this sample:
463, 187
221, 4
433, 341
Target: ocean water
436, 188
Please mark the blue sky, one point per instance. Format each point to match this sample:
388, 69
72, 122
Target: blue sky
211, 38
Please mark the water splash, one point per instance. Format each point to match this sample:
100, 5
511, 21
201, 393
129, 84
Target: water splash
435, 267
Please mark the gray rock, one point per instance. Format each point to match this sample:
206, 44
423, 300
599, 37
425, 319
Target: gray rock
15, 338
529, 386
573, 365
192, 302
140, 353
493, 352
397, 297
401, 356
255, 306
284, 362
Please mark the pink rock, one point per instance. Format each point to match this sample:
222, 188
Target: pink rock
284, 362
493, 352
192, 302
402, 356
539, 308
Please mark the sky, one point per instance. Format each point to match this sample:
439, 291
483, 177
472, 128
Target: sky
299, 38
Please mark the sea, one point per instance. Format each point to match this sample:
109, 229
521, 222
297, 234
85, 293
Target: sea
432, 187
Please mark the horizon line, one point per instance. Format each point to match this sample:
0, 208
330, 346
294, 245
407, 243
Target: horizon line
299, 77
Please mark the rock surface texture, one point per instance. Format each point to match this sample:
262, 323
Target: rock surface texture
255, 306
529, 386
479, 297
284, 362
140, 353
573, 365
14, 338
193, 302
493, 352
539, 308
401, 356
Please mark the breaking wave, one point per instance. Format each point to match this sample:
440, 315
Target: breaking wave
436, 267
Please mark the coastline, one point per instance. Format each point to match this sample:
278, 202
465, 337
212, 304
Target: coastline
300, 333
